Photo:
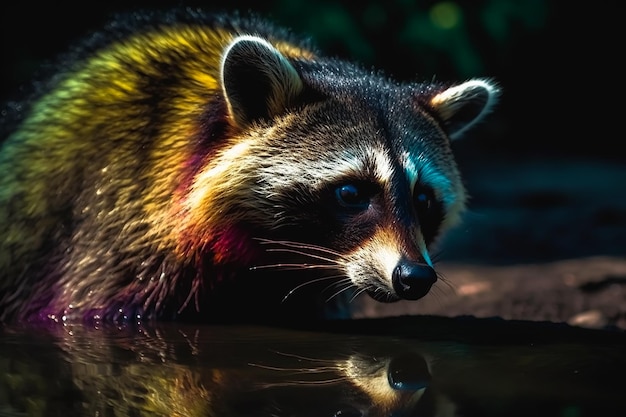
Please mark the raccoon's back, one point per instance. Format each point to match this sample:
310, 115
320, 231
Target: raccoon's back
101, 149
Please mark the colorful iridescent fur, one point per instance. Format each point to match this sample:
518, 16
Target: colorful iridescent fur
175, 164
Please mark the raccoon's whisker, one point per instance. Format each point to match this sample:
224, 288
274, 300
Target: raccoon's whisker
345, 286
373, 289
304, 284
436, 256
336, 293
356, 294
297, 252
328, 381
439, 296
321, 369
377, 289
437, 291
323, 382
292, 267
304, 358
441, 277
303, 371
299, 245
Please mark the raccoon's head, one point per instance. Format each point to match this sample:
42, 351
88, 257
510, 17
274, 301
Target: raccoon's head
336, 169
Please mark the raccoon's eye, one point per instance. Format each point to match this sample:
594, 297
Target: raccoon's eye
429, 210
423, 198
353, 196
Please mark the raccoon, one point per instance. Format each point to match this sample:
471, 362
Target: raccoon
214, 167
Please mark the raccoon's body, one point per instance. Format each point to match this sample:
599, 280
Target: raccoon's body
176, 166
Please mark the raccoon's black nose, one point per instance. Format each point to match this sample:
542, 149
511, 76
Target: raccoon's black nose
412, 280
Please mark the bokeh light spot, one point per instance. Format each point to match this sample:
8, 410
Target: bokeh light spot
445, 15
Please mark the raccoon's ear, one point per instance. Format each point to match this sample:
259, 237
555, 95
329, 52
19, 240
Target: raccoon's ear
463, 105
257, 80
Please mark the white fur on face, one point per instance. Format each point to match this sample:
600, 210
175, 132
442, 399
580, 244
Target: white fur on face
283, 172
371, 265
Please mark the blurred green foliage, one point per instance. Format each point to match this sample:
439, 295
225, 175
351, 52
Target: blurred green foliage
409, 39
527, 46
456, 39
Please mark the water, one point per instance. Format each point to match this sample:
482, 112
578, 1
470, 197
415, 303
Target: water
409, 366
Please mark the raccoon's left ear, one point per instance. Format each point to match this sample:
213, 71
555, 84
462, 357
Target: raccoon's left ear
257, 80
461, 106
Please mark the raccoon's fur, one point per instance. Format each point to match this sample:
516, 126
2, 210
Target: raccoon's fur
216, 168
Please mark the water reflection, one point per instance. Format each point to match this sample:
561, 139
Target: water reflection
375, 368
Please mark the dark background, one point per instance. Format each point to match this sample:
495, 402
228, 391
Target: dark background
546, 172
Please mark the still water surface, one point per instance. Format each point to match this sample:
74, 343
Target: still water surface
410, 366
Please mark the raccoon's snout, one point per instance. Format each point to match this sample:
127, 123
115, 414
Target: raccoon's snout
412, 280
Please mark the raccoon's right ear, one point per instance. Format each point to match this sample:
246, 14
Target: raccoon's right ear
461, 106
257, 80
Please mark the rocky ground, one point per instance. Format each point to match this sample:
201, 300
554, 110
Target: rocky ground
543, 241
